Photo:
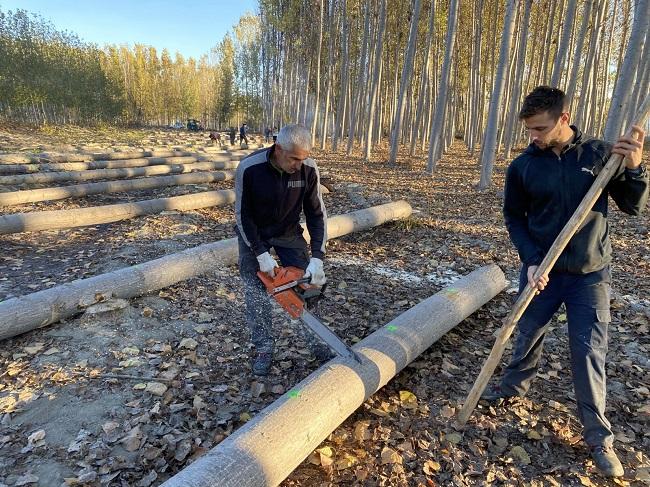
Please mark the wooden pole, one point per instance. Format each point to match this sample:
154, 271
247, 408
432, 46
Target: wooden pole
561, 241
79, 190
95, 215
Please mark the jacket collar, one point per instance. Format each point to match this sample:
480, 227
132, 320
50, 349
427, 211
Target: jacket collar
577, 140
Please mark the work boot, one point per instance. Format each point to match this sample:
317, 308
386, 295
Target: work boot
494, 393
606, 461
262, 363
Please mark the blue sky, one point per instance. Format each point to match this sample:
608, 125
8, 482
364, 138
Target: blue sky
189, 27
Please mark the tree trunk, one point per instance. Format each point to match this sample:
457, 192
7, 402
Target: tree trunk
376, 79
58, 177
318, 56
489, 139
79, 190
95, 215
519, 76
562, 50
407, 71
21, 314
436, 137
258, 454
620, 106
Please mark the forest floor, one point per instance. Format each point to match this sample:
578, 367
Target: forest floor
75, 407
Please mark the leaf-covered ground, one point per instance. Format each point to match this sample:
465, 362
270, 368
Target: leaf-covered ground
131, 392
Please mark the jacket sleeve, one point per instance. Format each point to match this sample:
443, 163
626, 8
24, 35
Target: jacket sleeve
629, 190
515, 209
244, 210
315, 212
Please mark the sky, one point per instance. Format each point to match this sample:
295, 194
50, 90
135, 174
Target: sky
189, 27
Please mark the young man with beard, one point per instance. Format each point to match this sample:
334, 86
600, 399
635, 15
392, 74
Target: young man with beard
544, 186
273, 187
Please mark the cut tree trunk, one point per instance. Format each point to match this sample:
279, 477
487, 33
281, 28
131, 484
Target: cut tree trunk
25, 313
79, 190
127, 172
258, 454
18, 158
142, 162
95, 215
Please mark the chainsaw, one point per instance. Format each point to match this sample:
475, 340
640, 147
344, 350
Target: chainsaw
292, 291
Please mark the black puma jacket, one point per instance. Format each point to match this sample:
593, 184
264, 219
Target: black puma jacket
543, 190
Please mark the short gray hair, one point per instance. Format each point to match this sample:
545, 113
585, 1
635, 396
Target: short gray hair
294, 136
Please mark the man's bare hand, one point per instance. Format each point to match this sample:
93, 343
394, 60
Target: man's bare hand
631, 147
540, 283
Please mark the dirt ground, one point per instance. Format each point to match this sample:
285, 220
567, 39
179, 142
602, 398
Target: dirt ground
131, 395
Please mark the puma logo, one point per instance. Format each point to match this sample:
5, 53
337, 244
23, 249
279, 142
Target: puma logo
590, 171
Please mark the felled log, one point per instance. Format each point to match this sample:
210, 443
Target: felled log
270, 446
24, 313
120, 163
21, 158
79, 190
126, 172
95, 215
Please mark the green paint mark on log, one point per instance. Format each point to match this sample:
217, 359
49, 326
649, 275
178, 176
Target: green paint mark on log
391, 327
293, 394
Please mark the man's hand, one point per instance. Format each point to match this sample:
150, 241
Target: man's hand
631, 147
541, 282
267, 263
315, 271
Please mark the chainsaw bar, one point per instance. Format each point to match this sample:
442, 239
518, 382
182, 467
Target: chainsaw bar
328, 336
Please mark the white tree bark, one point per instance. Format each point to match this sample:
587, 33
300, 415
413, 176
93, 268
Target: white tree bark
620, 106
78, 190
490, 136
258, 454
63, 176
563, 48
95, 215
407, 71
437, 127
25, 313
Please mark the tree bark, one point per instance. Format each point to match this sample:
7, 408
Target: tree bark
95, 215
407, 70
258, 454
79, 190
620, 105
489, 139
58, 177
436, 137
21, 314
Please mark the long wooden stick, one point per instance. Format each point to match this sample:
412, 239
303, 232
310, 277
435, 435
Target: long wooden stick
551, 257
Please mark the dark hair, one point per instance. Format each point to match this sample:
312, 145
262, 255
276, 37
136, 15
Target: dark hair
544, 99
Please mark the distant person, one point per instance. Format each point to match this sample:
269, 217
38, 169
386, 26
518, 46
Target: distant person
232, 133
215, 137
243, 130
275, 134
267, 135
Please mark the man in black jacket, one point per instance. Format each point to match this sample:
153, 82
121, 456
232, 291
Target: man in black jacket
544, 186
273, 187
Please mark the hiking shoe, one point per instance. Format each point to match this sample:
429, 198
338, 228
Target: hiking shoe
606, 461
262, 363
495, 393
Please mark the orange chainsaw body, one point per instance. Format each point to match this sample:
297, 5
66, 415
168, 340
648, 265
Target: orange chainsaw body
288, 298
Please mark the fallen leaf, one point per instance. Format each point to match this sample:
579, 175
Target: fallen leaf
408, 399
430, 467
188, 343
388, 455
519, 454
156, 388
